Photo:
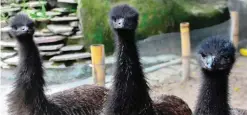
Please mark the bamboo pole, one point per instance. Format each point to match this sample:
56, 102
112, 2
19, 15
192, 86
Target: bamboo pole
185, 47
98, 63
235, 28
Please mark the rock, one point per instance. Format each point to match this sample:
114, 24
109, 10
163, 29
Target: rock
9, 9
34, 4
79, 33
59, 28
67, 33
48, 39
14, 5
5, 2
4, 65
7, 54
8, 44
50, 47
74, 24
51, 4
72, 48
12, 61
16, 49
68, 1
64, 19
44, 20
80, 27
62, 10
76, 37
50, 53
5, 33
45, 30
6, 29
75, 56
72, 14
5, 36
20, 1
48, 65
3, 23
42, 34
52, 14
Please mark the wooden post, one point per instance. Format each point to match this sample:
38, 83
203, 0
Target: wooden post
185, 45
98, 63
235, 28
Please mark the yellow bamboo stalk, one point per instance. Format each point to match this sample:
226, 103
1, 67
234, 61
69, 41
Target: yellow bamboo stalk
235, 28
186, 50
98, 63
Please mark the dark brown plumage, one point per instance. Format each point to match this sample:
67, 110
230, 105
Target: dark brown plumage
130, 93
173, 105
28, 96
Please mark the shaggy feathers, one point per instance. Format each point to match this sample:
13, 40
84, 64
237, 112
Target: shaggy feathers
130, 95
213, 97
28, 96
21, 19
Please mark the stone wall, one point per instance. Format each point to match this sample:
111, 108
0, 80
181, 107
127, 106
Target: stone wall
59, 38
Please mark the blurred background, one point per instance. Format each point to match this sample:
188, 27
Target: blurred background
65, 29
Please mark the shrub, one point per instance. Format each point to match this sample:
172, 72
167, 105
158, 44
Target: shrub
156, 16
95, 23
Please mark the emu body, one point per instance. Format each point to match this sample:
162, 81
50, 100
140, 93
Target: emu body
130, 93
28, 96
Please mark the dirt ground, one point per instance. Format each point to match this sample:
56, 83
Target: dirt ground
189, 90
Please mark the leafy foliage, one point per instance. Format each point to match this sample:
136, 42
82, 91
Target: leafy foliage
156, 16
35, 14
95, 22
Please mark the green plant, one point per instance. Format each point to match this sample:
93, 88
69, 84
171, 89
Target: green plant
24, 4
95, 23
37, 13
156, 16
43, 10
4, 17
71, 9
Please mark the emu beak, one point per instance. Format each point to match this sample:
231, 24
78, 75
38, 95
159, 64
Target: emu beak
209, 62
119, 23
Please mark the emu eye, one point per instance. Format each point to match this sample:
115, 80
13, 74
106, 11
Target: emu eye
203, 55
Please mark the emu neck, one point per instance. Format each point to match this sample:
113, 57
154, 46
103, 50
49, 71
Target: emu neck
130, 87
30, 82
213, 97
129, 70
